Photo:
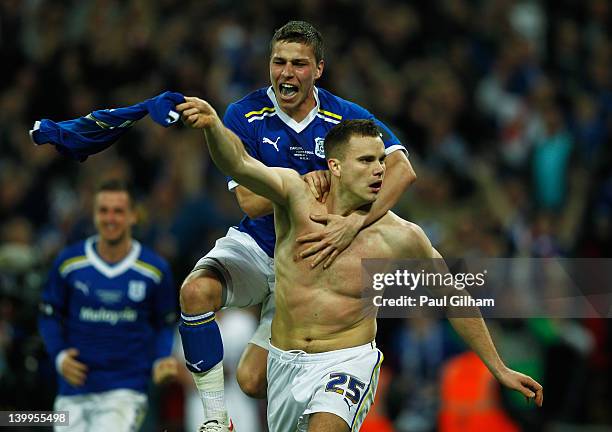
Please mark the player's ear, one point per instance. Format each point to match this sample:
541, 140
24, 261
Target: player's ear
320, 68
334, 166
133, 215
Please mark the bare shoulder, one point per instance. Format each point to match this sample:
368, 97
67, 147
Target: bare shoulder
407, 238
291, 179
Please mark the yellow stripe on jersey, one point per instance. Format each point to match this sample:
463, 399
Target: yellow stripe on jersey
100, 123
330, 114
157, 272
261, 111
71, 261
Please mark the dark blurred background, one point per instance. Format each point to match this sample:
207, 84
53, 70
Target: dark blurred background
504, 105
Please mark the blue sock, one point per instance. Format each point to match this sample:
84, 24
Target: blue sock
202, 342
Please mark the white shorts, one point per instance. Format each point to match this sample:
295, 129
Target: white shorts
341, 382
120, 410
247, 275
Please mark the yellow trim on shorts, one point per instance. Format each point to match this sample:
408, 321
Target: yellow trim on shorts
370, 393
261, 111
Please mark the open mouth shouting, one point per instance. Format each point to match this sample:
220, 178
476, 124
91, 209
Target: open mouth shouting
287, 91
375, 187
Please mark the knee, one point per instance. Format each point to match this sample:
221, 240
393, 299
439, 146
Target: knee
253, 383
201, 292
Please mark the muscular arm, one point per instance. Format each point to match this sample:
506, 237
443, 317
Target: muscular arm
257, 206
472, 330
252, 204
228, 153
475, 333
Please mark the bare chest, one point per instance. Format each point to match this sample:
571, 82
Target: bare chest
343, 276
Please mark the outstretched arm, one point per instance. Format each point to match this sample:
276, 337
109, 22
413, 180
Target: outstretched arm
341, 230
475, 333
228, 153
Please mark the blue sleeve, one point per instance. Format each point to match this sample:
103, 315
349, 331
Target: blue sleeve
392, 142
234, 120
165, 317
53, 310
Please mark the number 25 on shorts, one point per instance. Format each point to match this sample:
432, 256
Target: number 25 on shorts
338, 384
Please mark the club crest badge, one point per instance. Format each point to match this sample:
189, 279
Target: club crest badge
319, 148
137, 290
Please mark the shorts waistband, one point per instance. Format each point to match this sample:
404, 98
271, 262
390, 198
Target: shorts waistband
299, 356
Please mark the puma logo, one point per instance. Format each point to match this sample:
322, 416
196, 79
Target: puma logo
81, 286
348, 404
195, 365
272, 143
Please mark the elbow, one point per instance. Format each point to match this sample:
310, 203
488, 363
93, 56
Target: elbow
252, 212
405, 174
410, 176
251, 208
400, 170
247, 207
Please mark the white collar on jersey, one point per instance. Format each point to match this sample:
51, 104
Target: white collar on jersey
111, 271
298, 127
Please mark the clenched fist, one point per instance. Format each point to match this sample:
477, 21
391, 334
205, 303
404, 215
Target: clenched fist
198, 113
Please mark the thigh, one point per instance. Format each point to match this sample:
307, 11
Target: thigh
119, 411
261, 337
77, 416
326, 422
244, 268
347, 388
252, 371
287, 397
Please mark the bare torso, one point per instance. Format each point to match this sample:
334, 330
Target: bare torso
324, 309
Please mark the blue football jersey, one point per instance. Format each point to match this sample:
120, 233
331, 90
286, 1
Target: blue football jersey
119, 316
277, 140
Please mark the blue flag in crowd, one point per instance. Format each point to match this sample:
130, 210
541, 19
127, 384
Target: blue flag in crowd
82, 137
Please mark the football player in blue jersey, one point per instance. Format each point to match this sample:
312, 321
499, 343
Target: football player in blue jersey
107, 319
283, 125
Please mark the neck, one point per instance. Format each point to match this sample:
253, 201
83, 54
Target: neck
342, 202
114, 252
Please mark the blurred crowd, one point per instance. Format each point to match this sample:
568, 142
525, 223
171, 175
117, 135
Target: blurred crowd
504, 105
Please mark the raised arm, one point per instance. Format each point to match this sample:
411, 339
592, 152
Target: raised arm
257, 206
228, 153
